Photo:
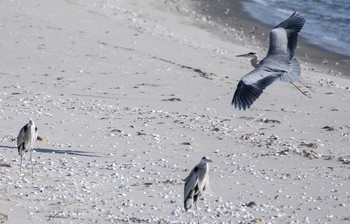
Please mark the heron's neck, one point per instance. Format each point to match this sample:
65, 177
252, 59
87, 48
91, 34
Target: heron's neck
204, 165
255, 61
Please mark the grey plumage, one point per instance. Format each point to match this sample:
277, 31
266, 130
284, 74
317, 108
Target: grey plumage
26, 139
279, 63
196, 183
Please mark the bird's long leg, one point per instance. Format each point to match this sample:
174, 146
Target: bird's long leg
304, 93
48, 171
31, 161
308, 87
191, 218
20, 168
197, 213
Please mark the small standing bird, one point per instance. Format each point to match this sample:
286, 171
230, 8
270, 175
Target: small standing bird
26, 139
279, 63
196, 183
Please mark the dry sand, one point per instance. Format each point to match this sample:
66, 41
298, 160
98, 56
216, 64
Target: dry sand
131, 94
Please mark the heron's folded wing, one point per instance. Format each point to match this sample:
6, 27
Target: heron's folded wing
247, 92
191, 183
21, 135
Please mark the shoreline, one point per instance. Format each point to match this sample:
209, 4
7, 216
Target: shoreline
255, 34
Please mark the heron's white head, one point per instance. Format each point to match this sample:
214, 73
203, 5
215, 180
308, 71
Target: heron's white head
205, 159
249, 55
31, 123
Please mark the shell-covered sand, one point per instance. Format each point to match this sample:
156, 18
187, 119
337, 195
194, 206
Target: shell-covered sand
132, 94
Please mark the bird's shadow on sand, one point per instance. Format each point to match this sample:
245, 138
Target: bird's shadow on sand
57, 151
66, 152
8, 147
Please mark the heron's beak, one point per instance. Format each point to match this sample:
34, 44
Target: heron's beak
210, 161
243, 55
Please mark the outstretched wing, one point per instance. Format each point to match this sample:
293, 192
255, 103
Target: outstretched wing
251, 86
190, 184
284, 36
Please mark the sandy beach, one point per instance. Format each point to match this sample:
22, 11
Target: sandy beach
132, 94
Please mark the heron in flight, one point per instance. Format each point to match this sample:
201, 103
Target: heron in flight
26, 139
279, 63
196, 183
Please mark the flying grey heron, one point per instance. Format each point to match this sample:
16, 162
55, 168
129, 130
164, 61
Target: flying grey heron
279, 63
196, 183
255, 60
26, 139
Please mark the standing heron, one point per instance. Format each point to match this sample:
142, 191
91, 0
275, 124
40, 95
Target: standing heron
196, 183
279, 63
26, 139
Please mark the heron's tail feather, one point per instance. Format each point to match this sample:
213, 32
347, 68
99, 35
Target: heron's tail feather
293, 73
188, 202
21, 149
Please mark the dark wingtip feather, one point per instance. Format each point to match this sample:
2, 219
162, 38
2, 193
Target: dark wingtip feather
245, 95
292, 25
187, 205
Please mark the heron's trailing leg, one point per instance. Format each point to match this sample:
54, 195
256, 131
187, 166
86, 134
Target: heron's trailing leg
308, 87
31, 160
20, 168
304, 93
197, 213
